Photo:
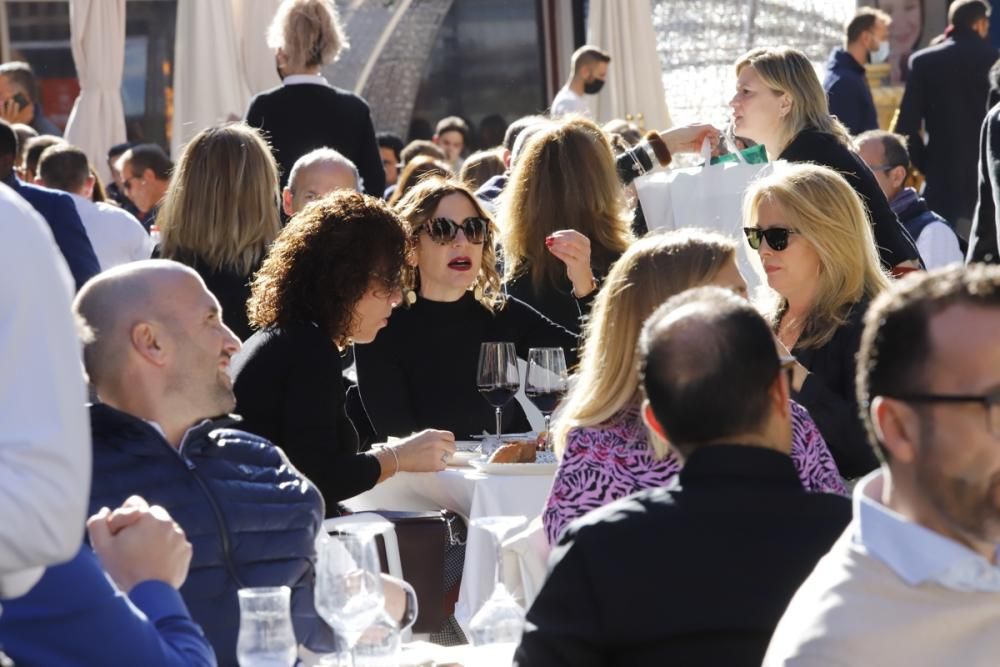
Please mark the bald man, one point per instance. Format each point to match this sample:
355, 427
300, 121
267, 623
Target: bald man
159, 360
316, 174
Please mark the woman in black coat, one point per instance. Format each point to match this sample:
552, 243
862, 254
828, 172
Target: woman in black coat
306, 112
780, 103
330, 279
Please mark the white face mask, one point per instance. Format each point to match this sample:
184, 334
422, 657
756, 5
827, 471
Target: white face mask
881, 54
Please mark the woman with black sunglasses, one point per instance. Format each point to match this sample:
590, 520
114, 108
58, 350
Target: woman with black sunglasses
421, 370
818, 251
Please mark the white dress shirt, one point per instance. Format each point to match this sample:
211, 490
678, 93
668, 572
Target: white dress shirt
566, 102
938, 246
44, 427
116, 235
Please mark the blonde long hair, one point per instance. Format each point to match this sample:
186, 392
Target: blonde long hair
222, 203
653, 269
418, 206
825, 211
787, 70
564, 178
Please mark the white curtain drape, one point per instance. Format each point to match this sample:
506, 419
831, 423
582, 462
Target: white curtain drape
97, 36
251, 18
209, 82
635, 80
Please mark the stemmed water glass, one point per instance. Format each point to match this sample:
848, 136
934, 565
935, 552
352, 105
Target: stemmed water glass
266, 638
498, 378
501, 619
546, 382
349, 593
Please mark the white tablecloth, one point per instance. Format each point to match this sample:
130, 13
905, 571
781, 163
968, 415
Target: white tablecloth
473, 495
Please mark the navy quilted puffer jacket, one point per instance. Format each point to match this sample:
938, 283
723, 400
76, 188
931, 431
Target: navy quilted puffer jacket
251, 517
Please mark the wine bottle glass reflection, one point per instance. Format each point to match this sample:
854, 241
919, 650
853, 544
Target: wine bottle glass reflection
265, 638
498, 378
349, 593
546, 382
501, 619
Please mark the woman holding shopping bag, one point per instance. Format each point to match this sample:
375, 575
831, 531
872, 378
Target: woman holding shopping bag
780, 103
816, 245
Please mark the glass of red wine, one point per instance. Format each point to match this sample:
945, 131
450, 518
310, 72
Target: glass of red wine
498, 378
547, 382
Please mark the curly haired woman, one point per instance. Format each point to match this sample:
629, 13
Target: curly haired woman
330, 279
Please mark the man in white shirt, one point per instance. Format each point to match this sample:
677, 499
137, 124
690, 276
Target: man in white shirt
116, 235
44, 430
886, 155
914, 578
589, 69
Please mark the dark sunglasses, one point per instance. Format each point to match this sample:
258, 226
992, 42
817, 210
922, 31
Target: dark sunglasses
443, 230
776, 237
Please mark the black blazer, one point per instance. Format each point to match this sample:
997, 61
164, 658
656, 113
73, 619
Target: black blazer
299, 118
830, 394
810, 145
947, 92
695, 575
289, 390
984, 239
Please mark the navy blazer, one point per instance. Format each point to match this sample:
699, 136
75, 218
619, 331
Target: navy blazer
848, 93
59, 211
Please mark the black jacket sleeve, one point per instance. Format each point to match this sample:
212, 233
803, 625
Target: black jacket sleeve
565, 616
983, 242
911, 117
369, 158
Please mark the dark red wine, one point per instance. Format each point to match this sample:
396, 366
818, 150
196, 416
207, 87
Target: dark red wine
545, 401
498, 395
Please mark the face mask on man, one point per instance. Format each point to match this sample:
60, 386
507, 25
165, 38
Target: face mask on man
881, 54
593, 87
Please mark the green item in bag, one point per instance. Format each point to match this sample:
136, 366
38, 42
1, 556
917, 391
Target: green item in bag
753, 155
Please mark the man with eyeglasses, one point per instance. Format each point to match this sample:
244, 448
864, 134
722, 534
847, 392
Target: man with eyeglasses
886, 155
914, 580
145, 175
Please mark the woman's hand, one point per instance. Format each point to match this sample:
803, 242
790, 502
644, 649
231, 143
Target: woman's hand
688, 138
427, 451
573, 249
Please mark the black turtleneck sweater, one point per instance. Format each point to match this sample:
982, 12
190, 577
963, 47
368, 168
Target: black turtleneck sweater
420, 372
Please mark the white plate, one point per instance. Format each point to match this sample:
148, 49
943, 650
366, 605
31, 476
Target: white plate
461, 459
482, 465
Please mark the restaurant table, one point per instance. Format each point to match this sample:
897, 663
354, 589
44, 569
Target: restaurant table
473, 495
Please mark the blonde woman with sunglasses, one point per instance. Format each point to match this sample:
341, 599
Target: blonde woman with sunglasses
421, 371
817, 249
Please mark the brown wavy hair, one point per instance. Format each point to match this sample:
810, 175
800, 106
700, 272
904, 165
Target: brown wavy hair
419, 205
416, 170
325, 260
564, 178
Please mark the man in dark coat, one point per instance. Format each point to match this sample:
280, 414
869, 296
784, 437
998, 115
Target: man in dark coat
159, 358
847, 91
946, 95
697, 574
984, 239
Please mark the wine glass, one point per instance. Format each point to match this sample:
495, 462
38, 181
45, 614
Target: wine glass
546, 382
349, 581
501, 619
499, 378
266, 638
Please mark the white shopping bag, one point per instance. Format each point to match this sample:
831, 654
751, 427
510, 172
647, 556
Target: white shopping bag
707, 197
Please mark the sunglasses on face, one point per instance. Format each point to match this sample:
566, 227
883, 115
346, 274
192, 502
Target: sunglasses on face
444, 230
776, 237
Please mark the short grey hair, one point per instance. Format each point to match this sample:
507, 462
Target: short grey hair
324, 155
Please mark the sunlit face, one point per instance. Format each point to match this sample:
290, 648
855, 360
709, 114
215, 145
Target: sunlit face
452, 143
873, 153
9, 89
203, 346
598, 71
141, 189
757, 110
372, 312
315, 182
957, 462
447, 271
729, 277
389, 164
794, 271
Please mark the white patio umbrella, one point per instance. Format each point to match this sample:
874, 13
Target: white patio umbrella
251, 19
97, 36
209, 82
635, 80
